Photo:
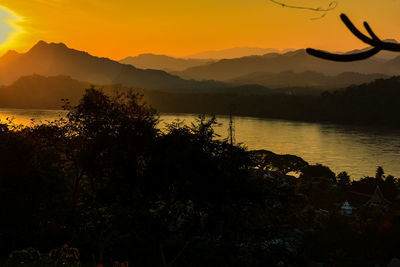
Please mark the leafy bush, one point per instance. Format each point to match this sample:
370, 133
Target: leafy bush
120, 264
25, 256
65, 256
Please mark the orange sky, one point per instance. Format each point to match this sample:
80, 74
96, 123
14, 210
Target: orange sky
121, 28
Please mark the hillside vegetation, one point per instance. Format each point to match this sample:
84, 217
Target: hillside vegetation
372, 103
105, 187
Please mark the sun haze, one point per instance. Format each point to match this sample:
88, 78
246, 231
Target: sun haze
9, 28
121, 28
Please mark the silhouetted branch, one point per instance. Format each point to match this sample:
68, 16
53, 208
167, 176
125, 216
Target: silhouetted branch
373, 40
370, 32
344, 57
332, 5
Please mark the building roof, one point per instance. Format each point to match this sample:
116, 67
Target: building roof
377, 198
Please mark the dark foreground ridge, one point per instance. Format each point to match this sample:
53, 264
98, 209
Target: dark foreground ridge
106, 187
372, 104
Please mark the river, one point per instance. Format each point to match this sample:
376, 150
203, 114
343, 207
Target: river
357, 150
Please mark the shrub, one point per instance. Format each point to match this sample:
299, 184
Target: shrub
120, 264
65, 256
25, 256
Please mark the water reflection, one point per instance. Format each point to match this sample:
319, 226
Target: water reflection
357, 150
29, 117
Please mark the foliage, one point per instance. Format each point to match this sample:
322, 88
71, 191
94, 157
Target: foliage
267, 160
120, 264
106, 180
372, 103
343, 179
64, 256
25, 256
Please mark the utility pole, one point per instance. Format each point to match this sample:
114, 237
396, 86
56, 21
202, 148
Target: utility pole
231, 130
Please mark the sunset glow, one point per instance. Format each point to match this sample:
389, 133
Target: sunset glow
122, 28
9, 27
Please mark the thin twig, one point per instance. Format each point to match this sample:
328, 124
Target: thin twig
332, 5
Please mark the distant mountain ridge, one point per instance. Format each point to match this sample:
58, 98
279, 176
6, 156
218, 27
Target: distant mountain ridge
382, 55
235, 52
297, 61
375, 97
306, 79
371, 104
37, 91
45, 92
163, 62
293, 73
51, 59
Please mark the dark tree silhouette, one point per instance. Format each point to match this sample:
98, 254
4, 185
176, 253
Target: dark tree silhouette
373, 40
106, 181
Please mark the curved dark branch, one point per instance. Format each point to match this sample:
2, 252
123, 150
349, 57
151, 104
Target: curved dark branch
343, 57
355, 31
371, 32
377, 44
393, 47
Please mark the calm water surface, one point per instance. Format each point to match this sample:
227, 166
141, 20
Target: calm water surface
357, 150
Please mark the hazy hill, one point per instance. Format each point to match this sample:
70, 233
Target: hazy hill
37, 91
394, 63
305, 79
41, 92
234, 53
370, 103
383, 55
297, 61
9, 57
162, 62
50, 59
374, 103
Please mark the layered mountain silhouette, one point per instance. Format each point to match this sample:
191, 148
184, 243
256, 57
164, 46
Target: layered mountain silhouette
42, 92
382, 55
50, 59
162, 62
235, 52
274, 73
46, 92
311, 79
296, 61
374, 103
37, 91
